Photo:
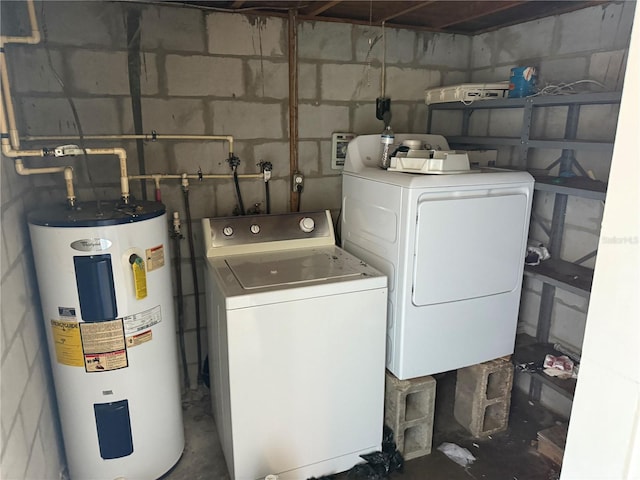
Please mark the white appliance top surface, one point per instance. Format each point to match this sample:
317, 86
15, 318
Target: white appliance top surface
262, 259
364, 151
290, 268
249, 280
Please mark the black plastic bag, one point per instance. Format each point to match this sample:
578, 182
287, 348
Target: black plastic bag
379, 464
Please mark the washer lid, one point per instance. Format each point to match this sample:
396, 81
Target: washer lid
289, 268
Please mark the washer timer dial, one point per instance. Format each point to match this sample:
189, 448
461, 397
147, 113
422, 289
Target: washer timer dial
307, 225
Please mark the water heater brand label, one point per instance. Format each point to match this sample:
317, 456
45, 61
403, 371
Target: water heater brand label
91, 244
66, 338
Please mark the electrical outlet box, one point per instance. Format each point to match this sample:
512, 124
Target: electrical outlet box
297, 181
339, 143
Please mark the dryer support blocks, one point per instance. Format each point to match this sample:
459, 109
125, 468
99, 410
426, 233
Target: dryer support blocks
483, 397
408, 411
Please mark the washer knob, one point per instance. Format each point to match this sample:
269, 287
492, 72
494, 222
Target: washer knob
307, 225
255, 228
227, 231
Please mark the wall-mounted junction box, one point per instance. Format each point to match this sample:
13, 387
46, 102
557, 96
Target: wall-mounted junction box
339, 142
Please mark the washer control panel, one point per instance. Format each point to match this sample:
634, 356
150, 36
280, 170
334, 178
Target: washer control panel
266, 232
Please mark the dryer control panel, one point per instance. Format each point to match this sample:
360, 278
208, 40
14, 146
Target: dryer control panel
263, 233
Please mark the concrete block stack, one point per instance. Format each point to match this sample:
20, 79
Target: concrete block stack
483, 397
408, 411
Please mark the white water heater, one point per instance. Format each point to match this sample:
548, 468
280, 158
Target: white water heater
105, 286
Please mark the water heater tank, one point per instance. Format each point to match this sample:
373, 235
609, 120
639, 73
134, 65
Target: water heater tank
105, 287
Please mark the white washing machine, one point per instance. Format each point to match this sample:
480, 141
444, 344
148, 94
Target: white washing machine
452, 247
296, 330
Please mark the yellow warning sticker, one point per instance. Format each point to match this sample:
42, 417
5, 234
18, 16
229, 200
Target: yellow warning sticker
139, 339
155, 257
66, 338
139, 278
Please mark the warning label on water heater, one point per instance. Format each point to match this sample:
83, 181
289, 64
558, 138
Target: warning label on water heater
155, 257
68, 345
103, 345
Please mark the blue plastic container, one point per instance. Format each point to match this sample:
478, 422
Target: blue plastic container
522, 82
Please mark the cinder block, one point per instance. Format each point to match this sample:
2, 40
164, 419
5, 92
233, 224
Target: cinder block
308, 158
483, 397
235, 34
99, 72
84, 23
29, 69
320, 121
179, 115
173, 28
15, 375
444, 49
408, 411
574, 37
321, 193
307, 81
349, 82
248, 119
559, 70
268, 79
200, 75
324, 41
410, 83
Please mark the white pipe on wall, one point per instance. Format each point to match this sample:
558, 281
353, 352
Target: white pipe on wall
145, 136
11, 137
35, 31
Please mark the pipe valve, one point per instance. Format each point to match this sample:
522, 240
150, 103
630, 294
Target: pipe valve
233, 161
266, 168
67, 150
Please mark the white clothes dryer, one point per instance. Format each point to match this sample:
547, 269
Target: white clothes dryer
452, 247
296, 330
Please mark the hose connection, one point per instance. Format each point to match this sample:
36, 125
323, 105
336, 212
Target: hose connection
234, 161
266, 168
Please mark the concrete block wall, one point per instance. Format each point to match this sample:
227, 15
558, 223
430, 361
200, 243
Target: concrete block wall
200, 73
217, 73
30, 442
214, 73
587, 44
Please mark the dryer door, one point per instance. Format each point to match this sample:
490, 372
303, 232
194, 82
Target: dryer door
468, 247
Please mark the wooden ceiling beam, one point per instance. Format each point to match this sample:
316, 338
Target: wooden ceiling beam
323, 8
399, 13
484, 9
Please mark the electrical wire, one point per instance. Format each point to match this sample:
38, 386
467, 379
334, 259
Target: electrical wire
180, 307
299, 190
194, 273
72, 105
267, 197
565, 88
238, 194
